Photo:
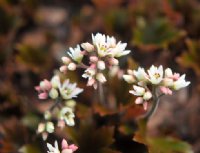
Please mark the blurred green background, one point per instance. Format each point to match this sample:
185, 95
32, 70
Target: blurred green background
35, 34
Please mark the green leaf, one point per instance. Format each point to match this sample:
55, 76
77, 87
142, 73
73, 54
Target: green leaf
168, 145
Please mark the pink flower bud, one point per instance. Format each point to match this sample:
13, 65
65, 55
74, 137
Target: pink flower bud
43, 95
45, 85
166, 90
145, 105
66, 60
64, 144
113, 61
63, 68
73, 147
139, 100
90, 82
93, 59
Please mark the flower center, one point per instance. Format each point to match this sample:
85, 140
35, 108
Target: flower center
157, 75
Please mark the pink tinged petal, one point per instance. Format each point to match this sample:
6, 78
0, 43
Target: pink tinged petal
37, 88
63, 68
47, 84
73, 147
176, 76
64, 144
90, 82
43, 95
67, 151
93, 66
93, 59
139, 100
166, 90
145, 105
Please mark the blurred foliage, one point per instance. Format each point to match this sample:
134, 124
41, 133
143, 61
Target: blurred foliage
35, 34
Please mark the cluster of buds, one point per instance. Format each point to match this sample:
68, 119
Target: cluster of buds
154, 79
55, 89
102, 55
65, 147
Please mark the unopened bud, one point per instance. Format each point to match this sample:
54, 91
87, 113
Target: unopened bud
63, 68
100, 77
147, 95
101, 65
87, 46
71, 66
53, 93
66, 60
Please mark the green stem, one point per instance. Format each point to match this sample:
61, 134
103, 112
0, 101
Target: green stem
154, 106
58, 100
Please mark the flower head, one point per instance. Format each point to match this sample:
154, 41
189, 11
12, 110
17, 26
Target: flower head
67, 115
180, 83
76, 54
155, 74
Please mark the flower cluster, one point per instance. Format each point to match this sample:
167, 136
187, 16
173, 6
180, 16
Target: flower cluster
102, 55
154, 79
65, 147
61, 92
55, 88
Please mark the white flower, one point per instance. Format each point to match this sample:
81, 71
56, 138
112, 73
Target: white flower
76, 54
89, 73
180, 83
119, 50
87, 46
155, 74
140, 74
53, 149
53, 93
69, 90
129, 78
67, 115
100, 77
55, 81
138, 91
101, 65
111, 42
99, 39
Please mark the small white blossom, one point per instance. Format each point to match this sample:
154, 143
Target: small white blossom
180, 83
155, 74
67, 115
119, 50
69, 90
147, 95
76, 54
140, 74
99, 39
138, 91
53, 149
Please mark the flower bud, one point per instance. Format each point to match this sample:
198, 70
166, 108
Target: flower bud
168, 73
47, 115
129, 78
87, 46
53, 93
45, 85
43, 95
72, 66
63, 68
100, 77
49, 127
168, 82
66, 60
93, 59
55, 81
41, 128
147, 95
139, 100
113, 61
101, 65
